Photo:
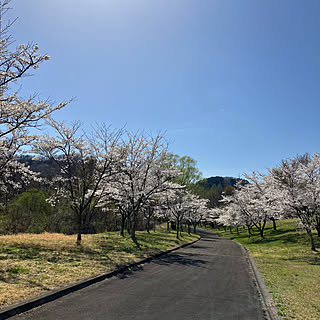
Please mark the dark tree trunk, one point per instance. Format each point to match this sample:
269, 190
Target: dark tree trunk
181, 229
123, 223
274, 224
318, 230
249, 231
80, 229
133, 229
148, 226
189, 228
79, 238
129, 225
313, 247
178, 229
133, 233
261, 233
195, 228
261, 227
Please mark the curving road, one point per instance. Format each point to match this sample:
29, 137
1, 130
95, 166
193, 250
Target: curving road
210, 279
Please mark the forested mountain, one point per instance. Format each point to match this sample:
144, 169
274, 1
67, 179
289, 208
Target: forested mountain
207, 183
46, 167
213, 187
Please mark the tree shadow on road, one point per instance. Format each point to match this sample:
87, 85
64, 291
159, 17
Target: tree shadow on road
195, 246
210, 239
187, 259
180, 258
127, 272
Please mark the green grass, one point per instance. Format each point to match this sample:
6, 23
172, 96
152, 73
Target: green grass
31, 264
290, 269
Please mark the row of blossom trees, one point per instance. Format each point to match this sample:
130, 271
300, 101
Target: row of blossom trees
291, 189
115, 169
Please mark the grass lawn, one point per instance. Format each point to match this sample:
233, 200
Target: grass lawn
31, 264
290, 269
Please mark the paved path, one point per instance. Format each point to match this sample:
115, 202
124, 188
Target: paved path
207, 280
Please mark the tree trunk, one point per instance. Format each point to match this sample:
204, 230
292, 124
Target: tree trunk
79, 234
261, 232
123, 222
195, 228
189, 228
133, 235
79, 238
148, 226
313, 247
318, 230
133, 229
129, 225
177, 228
168, 226
261, 227
274, 224
249, 231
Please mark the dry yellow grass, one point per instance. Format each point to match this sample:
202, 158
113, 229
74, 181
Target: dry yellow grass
31, 264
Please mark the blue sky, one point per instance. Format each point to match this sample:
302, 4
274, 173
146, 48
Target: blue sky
233, 84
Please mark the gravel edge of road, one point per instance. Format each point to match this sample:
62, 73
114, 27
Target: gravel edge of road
270, 309
29, 304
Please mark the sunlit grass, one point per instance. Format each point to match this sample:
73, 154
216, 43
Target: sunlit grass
31, 264
290, 269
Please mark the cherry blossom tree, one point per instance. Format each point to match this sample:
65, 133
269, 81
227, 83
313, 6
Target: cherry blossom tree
252, 204
121, 202
198, 211
162, 211
299, 179
179, 203
15, 178
17, 114
149, 210
144, 174
87, 164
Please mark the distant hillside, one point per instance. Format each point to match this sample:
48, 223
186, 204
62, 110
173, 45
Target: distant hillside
213, 187
223, 181
47, 168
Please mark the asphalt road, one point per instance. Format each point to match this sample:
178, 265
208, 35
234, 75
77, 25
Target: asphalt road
207, 280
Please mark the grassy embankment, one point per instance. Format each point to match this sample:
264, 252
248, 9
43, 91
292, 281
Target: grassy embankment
290, 269
31, 264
